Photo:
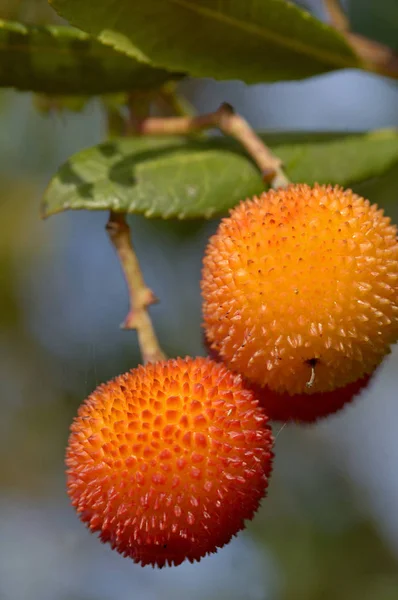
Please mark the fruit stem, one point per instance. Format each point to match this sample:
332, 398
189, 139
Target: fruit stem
231, 124
141, 297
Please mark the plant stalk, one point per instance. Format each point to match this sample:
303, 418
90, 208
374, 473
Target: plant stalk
141, 297
232, 125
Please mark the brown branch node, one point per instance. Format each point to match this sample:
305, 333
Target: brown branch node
231, 124
141, 297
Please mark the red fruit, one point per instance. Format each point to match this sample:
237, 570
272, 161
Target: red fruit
301, 408
307, 408
168, 460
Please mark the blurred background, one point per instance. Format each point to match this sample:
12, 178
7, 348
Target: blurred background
329, 528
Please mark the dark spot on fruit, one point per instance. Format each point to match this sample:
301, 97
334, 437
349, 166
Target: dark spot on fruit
312, 362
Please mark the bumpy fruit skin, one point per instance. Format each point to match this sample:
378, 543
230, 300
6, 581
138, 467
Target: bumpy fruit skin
308, 408
298, 278
168, 460
301, 408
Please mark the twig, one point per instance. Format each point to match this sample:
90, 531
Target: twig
230, 124
337, 16
376, 57
141, 297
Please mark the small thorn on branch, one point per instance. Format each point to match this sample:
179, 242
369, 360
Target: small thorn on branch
231, 124
141, 297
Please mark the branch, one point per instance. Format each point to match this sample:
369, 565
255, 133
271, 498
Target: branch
141, 297
376, 57
230, 124
337, 16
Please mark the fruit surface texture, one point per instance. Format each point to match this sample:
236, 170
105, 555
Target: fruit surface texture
300, 288
309, 408
168, 460
302, 408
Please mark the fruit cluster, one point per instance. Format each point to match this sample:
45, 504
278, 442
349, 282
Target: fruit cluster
300, 304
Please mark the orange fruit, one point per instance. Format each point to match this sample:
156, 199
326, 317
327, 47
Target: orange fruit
168, 460
300, 289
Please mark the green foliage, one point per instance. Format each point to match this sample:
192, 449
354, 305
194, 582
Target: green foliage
383, 191
167, 177
255, 40
62, 60
319, 543
378, 22
186, 178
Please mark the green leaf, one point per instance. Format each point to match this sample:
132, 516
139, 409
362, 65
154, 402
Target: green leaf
64, 61
185, 178
167, 177
345, 161
252, 40
383, 190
